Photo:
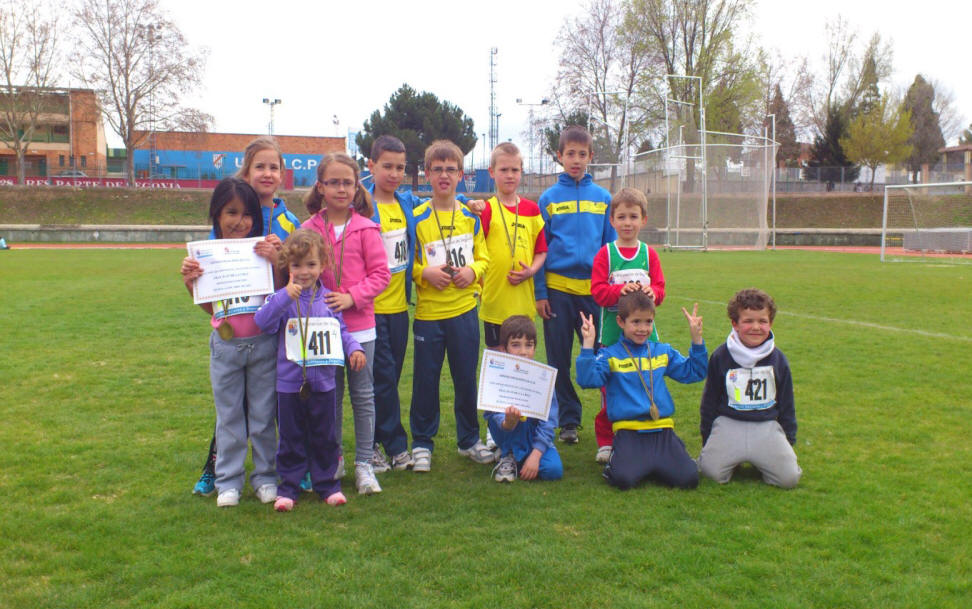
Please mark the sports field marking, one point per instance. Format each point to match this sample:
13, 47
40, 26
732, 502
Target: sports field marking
852, 322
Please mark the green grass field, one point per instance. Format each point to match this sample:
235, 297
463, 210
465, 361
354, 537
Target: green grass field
107, 413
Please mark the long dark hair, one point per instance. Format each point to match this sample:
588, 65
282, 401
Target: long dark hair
235, 188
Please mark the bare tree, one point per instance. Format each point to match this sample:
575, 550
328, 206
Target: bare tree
697, 38
139, 63
28, 52
599, 75
949, 117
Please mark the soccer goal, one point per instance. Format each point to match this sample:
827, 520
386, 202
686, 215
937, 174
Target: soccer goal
922, 220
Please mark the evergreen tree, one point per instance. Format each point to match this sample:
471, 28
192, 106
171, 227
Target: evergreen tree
789, 149
418, 119
926, 137
828, 162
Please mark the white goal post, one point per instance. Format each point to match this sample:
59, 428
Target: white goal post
922, 219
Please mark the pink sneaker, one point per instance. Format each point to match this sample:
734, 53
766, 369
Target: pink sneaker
283, 504
337, 498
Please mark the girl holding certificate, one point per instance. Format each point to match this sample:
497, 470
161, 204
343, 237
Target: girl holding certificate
241, 365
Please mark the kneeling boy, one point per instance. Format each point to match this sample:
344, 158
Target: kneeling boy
524, 443
639, 405
747, 412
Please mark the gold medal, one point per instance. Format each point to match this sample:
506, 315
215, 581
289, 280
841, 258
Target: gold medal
305, 391
225, 330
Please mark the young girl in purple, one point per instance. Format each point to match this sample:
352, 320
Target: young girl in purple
307, 363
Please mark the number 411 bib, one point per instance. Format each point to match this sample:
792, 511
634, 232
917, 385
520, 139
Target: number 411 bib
323, 348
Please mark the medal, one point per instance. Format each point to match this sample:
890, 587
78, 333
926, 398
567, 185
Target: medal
305, 391
225, 330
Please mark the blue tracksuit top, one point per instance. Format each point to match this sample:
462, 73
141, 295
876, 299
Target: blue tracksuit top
577, 223
626, 398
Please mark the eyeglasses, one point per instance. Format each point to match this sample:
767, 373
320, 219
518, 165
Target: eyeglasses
338, 183
449, 171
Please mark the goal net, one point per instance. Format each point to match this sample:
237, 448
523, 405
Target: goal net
922, 220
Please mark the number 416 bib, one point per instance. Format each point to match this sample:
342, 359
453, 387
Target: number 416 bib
751, 388
459, 253
323, 348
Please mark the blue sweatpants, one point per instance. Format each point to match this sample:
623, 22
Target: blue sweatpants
558, 336
659, 455
390, 347
308, 442
457, 338
520, 443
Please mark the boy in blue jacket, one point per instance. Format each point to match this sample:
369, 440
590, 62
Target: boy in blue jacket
639, 405
526, 444
576, 225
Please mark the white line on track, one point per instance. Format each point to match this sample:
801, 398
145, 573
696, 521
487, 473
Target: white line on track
852, 322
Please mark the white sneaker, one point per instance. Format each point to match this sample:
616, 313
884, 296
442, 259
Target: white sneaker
378, 462
603, 455
267, 493
364, 479
422, 459
402, 461
228, 498
478, 453
505, 470
490, 443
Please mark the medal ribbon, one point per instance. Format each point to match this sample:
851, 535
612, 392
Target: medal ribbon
516, 227
304, 327
340, 267
653, 410
448, 244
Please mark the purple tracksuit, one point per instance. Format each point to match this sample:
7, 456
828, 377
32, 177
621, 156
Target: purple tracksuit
304, 425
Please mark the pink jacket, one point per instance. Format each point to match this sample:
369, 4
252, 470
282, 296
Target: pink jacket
364, 273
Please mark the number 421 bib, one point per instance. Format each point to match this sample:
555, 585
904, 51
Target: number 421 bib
751, 388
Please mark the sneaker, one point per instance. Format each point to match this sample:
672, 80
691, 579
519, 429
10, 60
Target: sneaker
228, 498
568, 433
603, 455
340, 468
305, 483
490, 443
337, 498
478, 453
505, 470
421, 459
206, 485
266, 493
283, 504
379, 464
364, 479
402, 461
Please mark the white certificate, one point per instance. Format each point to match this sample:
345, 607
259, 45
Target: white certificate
230, 269
509, 380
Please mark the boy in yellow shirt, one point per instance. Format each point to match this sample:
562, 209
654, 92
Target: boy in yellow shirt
450, 258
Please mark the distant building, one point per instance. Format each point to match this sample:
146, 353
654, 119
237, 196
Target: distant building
69, 138
182, 155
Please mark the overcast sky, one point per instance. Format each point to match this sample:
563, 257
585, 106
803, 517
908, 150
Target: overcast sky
324, 58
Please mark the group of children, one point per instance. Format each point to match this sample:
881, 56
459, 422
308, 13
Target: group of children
345, 280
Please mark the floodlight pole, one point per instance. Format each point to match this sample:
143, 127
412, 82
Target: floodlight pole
271, 103
543, 102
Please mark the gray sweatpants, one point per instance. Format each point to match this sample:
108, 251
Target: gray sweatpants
235, 366
762, 443
361, 386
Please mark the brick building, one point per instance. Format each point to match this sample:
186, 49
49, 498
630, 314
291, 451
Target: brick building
70, 135
196, 155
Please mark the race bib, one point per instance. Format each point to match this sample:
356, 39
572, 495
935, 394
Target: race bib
460, 251
396, 249
237, 306
751, 388
323, 346
623, 276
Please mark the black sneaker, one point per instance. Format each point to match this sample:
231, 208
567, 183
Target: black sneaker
568, 433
